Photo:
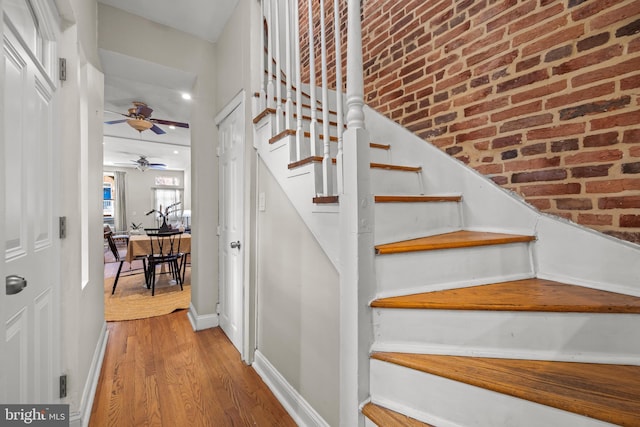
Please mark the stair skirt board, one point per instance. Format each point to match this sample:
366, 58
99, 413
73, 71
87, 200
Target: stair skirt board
413, 272
448, 403
299, 409
570, 337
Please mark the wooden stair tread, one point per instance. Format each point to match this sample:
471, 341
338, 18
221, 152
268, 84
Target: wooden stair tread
456, 239
609, 393
384, 417
519, 295
396, 167
415, 199
318, 159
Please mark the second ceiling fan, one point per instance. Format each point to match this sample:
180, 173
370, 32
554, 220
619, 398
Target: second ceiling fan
139, 118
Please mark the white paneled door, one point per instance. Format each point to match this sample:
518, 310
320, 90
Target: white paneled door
29, 321
232, 245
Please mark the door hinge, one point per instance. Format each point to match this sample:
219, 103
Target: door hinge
62, 69
63, 386
62, 222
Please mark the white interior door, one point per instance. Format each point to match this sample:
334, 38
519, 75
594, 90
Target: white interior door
29, 318
231, 143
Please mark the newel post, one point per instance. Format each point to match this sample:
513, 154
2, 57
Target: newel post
357, 273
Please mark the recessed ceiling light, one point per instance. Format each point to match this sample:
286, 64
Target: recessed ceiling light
172, 127
186, 96
175, 152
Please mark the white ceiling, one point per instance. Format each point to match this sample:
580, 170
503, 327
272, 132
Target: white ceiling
129, 79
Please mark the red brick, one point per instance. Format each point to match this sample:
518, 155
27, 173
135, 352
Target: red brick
539, 175
612, 186
495, 63
623, 119
477, 134
521, 110
574, 204
473, 97
634, 151
556, 131
550, 189
507, 18
600, 140
484, 107
622, 202
592, 8
469, 124
632, 82
631, 221
594, 108
527, 122
506, 141
595, 219
535, 149
489, 169
592, 171
540, 204
532, 19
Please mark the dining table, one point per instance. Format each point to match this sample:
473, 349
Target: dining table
140, 246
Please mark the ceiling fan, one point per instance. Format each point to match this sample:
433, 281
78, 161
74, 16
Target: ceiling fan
143, 164
139, 118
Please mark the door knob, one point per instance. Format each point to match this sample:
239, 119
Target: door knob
235, 245
15, 284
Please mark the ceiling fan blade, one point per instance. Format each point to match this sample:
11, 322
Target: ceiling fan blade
157, 130
170, 123
157, 165
113, 122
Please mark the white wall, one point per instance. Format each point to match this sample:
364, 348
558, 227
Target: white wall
139, 192
298, 300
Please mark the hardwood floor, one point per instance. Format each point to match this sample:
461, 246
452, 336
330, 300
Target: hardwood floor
159, 372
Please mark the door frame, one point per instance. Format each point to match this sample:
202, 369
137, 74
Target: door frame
239, 101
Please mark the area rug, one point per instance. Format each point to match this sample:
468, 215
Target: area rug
132, 300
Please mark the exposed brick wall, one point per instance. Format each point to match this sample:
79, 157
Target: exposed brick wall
542, 96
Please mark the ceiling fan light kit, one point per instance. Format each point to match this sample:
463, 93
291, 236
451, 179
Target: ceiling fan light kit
140, 124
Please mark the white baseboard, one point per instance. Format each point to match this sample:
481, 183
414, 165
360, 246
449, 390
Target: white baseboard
81, 418
303, 414
198, 323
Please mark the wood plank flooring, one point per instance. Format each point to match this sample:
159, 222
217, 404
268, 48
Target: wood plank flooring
159, 372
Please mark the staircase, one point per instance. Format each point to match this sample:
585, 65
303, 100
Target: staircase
466, 333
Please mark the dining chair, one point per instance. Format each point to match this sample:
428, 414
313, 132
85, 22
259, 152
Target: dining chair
116, 254
165, 250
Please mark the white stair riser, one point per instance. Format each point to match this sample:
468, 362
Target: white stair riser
446, 403
385, 181
378, 155
401, 221
423, 271
571, 337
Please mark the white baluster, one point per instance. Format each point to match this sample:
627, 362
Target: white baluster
313, 126
278, 73
339, 109
263, 78
288, 73
327, 175
270, 30
299, 130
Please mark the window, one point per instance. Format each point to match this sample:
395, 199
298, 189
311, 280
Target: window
164, 197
